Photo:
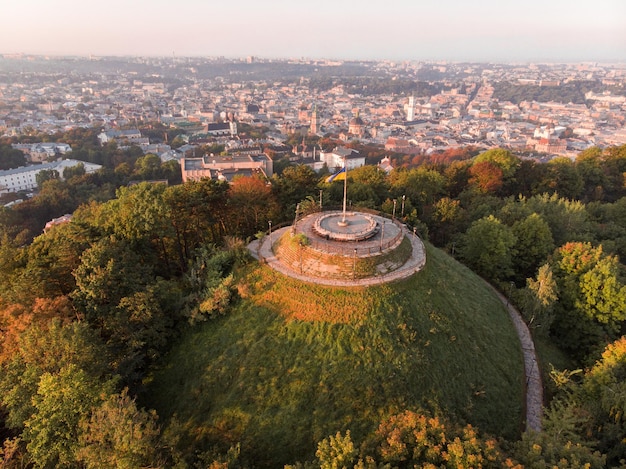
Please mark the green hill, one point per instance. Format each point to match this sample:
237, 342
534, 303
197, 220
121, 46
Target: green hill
294, 363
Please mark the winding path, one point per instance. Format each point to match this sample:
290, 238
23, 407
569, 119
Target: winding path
534, 387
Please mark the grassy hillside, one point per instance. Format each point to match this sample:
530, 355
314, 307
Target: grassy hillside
294, 363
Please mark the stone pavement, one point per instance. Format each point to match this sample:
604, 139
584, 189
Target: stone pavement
534, 387
261, 250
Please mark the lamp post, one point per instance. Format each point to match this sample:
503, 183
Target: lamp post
393, 216
382, 235
403, 199
354, 265
345, 193
295, 220
270, 223
321, 200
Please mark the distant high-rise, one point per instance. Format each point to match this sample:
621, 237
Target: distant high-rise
410, 116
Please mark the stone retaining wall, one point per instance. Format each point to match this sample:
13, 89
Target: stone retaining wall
309, 261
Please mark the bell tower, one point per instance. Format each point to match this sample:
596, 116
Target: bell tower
315, 120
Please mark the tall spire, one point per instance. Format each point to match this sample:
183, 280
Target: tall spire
314, 120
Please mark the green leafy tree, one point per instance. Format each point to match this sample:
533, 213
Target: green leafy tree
198, 214
53, 200
603, 396
362, 195
50, 260
538, 300
120, 297
47, 348
367, 180
336, 452
589, 166
615, 170
515, 209
109, 271
119, 435
568, 220
488, 248
603, 294
445, 221
148, 167
534, 244
591, 305
74, 171
11, 158
137, 330
12, 259
422, 186
46, 175
123, 171
503, 159
62, 400
170, 170
295, 184
141, 217
527, 179
559, 445
562, 178
457, 177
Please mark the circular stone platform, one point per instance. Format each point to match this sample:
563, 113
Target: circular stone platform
353, 226
369, 250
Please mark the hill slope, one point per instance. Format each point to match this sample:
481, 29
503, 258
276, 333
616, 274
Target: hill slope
294, 363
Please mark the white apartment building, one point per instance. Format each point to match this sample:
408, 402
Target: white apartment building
336, 158
25, 177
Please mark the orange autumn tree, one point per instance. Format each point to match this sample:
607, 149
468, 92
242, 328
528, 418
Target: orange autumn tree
486, 177
412, 439
250, 205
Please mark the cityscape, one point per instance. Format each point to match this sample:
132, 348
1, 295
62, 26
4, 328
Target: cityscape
347, 235
409, 108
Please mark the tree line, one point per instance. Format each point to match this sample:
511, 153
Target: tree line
88, 308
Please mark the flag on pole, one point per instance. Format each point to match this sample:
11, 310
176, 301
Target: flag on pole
339, 175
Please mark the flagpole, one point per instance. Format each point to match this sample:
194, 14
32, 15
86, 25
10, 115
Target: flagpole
345, 192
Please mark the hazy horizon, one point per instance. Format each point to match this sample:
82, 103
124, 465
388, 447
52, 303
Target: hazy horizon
453, 30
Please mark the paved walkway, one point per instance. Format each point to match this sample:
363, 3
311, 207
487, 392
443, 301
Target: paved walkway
262, 250
534, 387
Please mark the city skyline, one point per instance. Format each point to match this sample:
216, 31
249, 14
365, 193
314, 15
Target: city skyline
483, 30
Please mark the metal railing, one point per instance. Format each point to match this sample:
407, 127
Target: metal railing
344, 250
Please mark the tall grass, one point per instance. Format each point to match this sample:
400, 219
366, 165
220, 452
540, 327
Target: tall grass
294, 363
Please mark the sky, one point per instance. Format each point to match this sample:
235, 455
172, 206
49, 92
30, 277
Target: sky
453, 30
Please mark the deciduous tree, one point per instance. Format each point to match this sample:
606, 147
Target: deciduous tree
534, 244
488, 247
117, 434
62, 399
486, 177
